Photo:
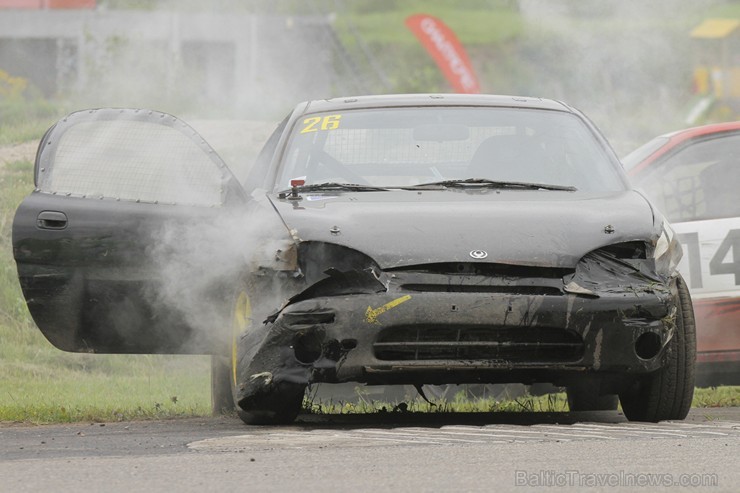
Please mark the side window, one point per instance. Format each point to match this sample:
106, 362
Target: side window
131, 155
261, 167
700, 181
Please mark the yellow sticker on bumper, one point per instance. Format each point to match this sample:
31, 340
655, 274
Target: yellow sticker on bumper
371, 315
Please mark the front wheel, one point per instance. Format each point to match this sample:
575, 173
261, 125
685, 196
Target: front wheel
667, 393
275, 403
223, 378
280, 405
222, 399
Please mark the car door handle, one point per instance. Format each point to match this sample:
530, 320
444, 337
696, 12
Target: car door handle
51, 220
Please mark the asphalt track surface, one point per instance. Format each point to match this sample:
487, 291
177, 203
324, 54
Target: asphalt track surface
381, 452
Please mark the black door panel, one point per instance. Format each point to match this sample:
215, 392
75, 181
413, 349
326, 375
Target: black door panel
97, 233
109, 183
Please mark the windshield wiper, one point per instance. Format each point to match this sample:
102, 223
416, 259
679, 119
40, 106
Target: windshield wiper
319, 187
486, 183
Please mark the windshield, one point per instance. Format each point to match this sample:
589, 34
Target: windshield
401, 147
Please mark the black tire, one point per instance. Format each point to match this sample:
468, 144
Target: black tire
587, 398
279, 405
222, 393
276, 403
272, 403
222, 398
667, 393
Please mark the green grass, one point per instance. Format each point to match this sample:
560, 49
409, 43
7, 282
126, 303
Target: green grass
703, 398
460, 403
472, 26
16, 133
41, 384
717, 397
16, 181
131, 388
25, 117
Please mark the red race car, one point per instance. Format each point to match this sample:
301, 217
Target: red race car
693, 177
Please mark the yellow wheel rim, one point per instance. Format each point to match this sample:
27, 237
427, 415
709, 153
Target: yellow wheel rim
241, 319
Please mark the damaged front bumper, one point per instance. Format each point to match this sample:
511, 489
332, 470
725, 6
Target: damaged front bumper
401, 332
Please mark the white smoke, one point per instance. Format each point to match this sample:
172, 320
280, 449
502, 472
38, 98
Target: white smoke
201, 266
208, 62
626, 63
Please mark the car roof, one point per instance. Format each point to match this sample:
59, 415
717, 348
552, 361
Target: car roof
688, 133
679, 137
415, 100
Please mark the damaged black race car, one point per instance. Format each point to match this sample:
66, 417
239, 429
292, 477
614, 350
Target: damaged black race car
411, 239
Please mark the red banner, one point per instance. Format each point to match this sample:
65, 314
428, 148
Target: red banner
448, 53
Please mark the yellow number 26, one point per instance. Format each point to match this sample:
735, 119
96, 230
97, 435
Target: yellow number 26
314, 123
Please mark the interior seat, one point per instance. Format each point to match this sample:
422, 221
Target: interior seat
510, 158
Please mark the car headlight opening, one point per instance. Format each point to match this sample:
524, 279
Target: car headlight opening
667, 252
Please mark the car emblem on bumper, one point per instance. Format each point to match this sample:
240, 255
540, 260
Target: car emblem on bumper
478, 254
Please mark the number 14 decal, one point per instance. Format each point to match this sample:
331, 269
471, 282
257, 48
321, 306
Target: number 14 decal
716, 265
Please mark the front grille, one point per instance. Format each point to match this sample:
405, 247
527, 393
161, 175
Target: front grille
478, 288
480, 278
505, 344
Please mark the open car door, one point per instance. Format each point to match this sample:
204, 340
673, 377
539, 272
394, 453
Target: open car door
109, 182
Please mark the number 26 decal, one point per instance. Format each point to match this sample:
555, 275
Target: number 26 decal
316, 123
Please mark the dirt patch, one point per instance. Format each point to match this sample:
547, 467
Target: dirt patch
18, 152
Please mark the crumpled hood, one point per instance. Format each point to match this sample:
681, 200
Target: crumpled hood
537, 228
